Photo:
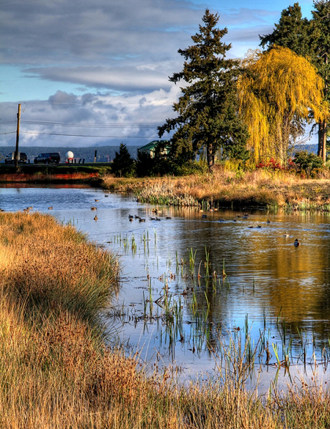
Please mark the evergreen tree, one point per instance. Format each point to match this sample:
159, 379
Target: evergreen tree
207, 110
123, 163
292, 31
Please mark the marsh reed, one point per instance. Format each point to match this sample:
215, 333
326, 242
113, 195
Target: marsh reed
56, 371
228, 188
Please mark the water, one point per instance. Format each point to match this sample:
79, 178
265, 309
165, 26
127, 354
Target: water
257, 285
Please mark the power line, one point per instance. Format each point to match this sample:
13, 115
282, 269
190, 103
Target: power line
11, 132
109, 125
83, 135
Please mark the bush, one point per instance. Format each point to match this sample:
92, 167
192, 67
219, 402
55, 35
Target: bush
308, 164
159, 165
192, 167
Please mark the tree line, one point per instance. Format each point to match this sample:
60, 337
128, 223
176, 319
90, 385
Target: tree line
257, 107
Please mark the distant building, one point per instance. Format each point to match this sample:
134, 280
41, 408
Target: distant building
151, 147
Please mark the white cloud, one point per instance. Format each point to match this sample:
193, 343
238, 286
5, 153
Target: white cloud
109, 119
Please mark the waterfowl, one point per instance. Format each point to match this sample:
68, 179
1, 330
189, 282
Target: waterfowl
152, 218
93, 208
296, 243
106, 195
97, 201
157, 218
131, 219
50, 208
168, 217
137, 217
141, 220
95, 218
130, 216
204, 216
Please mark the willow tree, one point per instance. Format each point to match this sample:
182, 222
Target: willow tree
207, 111
311, 39
279, 92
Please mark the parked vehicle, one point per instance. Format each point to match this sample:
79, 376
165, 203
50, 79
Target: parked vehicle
10, 158
48, 158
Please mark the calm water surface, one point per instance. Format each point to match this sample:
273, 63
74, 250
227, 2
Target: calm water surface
180, 311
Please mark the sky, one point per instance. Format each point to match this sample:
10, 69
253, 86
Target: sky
96, 72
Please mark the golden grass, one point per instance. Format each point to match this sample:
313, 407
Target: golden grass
225, 188
56, 372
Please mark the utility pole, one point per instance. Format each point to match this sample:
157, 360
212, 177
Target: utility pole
17, 137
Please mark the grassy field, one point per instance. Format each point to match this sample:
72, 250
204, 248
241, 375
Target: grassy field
223, 188
56, 371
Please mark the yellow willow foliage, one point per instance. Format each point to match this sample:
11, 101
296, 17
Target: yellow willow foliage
276, 88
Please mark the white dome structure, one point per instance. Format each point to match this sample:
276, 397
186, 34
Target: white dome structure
69, 155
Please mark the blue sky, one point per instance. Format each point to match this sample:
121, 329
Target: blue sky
100, 68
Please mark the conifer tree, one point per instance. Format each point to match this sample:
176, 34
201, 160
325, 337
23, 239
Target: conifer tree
291, 32
123, 163
207, 110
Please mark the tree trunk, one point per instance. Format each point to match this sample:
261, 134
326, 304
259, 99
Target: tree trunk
322, 140
210, 156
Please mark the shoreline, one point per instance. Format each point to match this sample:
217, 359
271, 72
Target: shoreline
271, 190
251, 190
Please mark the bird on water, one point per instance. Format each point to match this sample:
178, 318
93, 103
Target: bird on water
296, 242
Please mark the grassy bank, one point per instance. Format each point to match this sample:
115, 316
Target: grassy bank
57, 373
54, 173
259, 188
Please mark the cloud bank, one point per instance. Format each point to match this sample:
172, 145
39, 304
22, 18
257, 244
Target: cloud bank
116, 58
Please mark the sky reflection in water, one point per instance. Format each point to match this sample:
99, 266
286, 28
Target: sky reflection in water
271, 289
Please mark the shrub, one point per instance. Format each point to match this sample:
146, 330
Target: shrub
308, 164
192, 167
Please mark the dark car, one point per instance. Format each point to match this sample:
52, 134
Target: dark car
10, 158
48, 158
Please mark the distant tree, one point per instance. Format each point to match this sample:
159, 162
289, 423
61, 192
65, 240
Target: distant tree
207, 110
277, 92
123, 163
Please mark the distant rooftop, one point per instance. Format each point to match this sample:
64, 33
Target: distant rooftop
150, 146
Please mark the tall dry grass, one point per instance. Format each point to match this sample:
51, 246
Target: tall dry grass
56, 372
226, 188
